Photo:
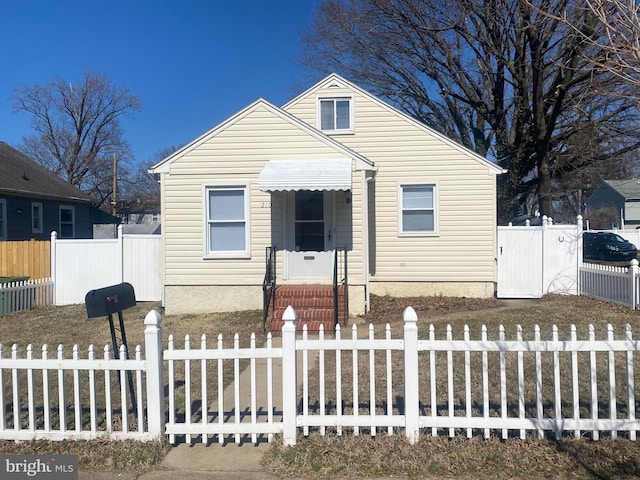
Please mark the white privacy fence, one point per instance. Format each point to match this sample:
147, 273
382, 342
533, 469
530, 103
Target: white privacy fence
78, 266
474, 383
537, 260
24, 295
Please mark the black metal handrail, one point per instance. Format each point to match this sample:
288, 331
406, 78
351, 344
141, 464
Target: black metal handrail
268, 284
340, 283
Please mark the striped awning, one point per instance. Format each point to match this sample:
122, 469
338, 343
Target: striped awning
293, 175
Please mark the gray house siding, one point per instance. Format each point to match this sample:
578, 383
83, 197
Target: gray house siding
622, 197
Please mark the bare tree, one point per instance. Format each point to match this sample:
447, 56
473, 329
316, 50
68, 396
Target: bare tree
141, 191
618, 45
500, 77
78, 131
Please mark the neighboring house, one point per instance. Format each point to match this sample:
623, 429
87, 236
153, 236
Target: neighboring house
141, 222
621, 198
132, 224
334, 169
34, 201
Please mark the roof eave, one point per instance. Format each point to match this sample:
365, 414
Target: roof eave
362, 163
43, 196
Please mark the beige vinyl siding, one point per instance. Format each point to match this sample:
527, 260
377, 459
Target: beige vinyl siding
464, 249
234, 156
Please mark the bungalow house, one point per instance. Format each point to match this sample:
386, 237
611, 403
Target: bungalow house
34, 201
334, 188
620, 199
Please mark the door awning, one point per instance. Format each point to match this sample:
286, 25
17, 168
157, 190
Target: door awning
293, 175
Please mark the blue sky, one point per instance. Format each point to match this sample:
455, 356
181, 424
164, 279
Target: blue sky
193, 63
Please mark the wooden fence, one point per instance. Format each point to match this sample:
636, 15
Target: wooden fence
29, 258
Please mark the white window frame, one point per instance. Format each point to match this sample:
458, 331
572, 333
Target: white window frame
3, 219
73, 220
240, 253
401, 210
36, 206
348, 98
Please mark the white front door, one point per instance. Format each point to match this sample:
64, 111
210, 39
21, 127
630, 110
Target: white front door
311, 242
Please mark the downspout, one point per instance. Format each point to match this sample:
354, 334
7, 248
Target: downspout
367, 293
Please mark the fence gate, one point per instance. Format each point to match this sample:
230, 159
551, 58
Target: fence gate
535, 260
519, 262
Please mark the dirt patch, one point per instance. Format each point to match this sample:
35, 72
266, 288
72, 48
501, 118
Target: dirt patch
388, 309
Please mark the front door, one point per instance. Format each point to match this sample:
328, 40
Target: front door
311, 235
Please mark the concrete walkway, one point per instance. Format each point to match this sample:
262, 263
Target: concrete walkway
219, 461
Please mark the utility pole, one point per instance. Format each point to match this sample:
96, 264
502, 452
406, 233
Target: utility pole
114, 210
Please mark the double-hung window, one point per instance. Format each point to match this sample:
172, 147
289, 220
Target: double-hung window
3, 219
417, 209
227, 219
36, 217
67, 221
336, 115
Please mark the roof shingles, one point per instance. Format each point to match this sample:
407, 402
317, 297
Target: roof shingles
21, 176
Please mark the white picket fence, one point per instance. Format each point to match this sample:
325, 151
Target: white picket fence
614, 284
56, 397
24, 295
475, 385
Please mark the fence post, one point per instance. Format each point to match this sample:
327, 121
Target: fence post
633, 274
579, 255
411, 397
121, 253
155, 381
289, 377
52, 265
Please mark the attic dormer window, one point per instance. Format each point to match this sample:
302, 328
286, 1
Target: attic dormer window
336, 115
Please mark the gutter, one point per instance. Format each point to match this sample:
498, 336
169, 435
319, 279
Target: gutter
367, 293
42, 196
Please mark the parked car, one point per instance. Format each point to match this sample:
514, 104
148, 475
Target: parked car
607, 246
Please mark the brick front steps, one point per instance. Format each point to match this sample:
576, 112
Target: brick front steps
313, 305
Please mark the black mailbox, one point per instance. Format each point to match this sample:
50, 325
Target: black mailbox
104, 302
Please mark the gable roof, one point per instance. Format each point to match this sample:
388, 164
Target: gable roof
22, 177
336, 80
629, 189
362, 162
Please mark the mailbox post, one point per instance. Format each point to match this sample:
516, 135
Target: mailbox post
104, 302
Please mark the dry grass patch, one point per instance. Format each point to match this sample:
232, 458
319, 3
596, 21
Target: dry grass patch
364, 456
351, 456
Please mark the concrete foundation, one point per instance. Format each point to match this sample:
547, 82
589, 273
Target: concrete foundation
181, 299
